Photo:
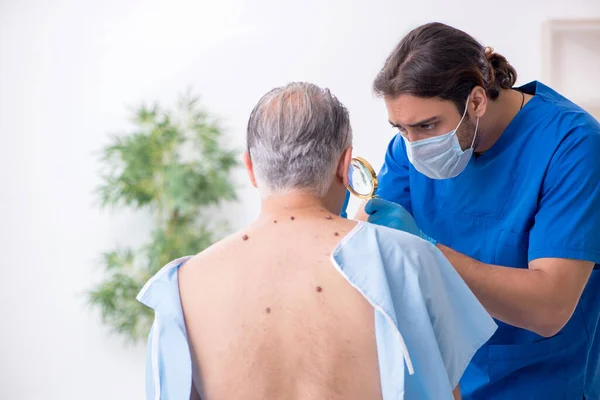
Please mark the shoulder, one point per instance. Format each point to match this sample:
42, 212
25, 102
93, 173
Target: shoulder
563, 116
576, 151
554, 132
161, 285
165, 283
220, 253
581, 145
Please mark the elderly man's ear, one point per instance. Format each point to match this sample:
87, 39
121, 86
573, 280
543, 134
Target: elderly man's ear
344, 166
249, 168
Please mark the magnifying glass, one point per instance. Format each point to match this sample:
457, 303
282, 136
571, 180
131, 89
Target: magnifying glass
363, 179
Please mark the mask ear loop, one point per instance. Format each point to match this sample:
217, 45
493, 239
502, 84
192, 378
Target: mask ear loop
476, 124
463, 116
475, 134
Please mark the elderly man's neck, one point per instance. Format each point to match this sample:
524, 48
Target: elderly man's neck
295, 204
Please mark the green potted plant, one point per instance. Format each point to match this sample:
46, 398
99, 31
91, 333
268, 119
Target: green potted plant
174, 165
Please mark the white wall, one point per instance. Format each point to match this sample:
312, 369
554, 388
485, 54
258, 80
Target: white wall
69, 69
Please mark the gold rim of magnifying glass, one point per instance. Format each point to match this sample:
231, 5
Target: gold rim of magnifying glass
373, 176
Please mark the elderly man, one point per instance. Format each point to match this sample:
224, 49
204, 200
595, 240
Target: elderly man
303, 304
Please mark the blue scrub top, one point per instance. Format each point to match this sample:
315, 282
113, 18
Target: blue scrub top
534, 194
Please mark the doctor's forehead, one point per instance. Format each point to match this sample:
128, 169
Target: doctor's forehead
407, 109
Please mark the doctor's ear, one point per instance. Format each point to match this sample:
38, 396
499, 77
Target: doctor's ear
477, 102
249, 168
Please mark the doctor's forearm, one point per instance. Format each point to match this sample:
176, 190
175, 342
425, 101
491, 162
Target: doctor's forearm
519, 297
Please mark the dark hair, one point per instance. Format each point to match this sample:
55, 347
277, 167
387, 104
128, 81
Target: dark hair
437, 60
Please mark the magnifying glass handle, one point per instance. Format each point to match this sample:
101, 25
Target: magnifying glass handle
374, 195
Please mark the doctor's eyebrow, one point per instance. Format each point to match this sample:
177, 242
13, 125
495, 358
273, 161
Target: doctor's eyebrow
416, 124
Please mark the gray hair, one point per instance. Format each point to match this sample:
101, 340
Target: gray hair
296, 135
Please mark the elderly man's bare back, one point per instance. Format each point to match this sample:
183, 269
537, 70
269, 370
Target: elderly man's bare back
269, 317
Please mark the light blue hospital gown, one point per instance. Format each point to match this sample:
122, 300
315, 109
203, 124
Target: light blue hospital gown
428, 323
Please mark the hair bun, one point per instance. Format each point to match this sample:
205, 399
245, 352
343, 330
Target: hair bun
503, 74
489, 51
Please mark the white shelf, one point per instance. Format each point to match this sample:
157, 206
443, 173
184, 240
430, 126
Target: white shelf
573, 25
571, 60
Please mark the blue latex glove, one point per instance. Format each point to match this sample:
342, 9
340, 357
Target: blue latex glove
393, 215
344, 214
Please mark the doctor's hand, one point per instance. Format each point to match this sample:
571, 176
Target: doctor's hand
393, 215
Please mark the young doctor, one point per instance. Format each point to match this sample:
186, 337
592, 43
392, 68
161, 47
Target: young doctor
506, 182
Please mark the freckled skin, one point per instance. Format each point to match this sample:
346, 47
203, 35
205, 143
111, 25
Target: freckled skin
231, 286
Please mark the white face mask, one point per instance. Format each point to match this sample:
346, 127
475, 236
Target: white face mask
440, 157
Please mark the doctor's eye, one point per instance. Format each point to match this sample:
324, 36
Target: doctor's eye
427, 127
